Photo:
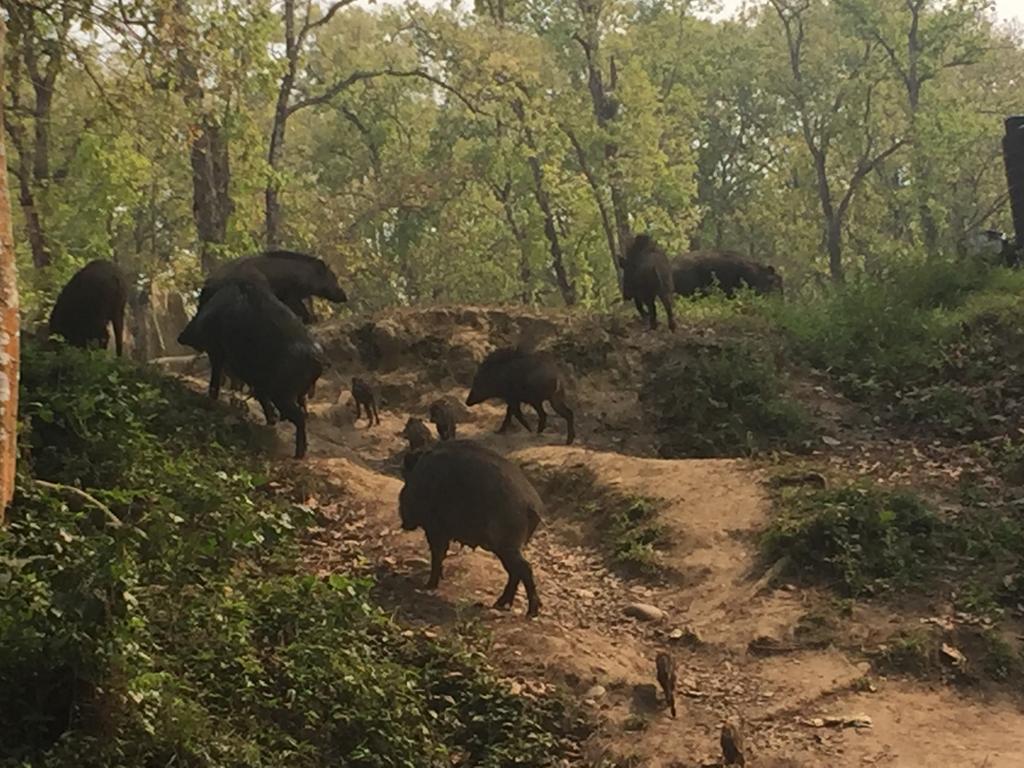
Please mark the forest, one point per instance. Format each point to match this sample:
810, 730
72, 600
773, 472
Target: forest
502, 152
784, 531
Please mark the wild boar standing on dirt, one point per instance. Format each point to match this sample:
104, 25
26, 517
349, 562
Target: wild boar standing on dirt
698, 272
461, 491
293, 277
646, 277
246, 328
520, 376
366, 400
442, 415
417, 433
93, 298
665, 666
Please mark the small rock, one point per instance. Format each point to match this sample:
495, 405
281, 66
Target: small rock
595, 692
830, 441
645, 612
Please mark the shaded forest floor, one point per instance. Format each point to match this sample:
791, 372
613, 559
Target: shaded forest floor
909, 672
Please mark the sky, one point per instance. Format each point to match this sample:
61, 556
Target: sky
1005, 9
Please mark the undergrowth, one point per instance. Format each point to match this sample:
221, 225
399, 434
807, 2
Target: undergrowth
151, 612
624, 527
727, 400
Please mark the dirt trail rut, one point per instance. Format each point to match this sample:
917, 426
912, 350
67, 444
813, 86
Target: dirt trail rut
583, 641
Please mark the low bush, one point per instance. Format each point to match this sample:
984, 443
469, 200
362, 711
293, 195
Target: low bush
858, 539
724, 400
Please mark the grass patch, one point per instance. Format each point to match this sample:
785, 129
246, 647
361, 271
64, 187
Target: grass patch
160, 618
860, 540
623, 527
728, 400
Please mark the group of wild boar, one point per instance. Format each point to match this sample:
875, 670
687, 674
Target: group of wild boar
252, 321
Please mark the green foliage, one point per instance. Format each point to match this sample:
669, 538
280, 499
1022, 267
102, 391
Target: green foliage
858, 539
151, 611
724, 400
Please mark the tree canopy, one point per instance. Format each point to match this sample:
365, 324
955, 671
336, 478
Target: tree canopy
501, 152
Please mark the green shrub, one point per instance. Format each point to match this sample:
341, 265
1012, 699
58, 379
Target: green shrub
721, 401
861, 540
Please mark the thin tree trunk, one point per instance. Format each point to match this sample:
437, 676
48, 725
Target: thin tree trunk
272, 212
606, 224
540, 193
9, 326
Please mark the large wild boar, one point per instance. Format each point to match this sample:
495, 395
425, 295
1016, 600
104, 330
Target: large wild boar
245, 327
462, 491
293, 278
92, 298
519, 376
646, 277
699, 271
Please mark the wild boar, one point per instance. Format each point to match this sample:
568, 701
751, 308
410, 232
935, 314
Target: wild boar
665, 666
520, 376
461, 491
93, 298
442, 415
417, 433
366, 400
293, 277
699, 271
647, 276
245, 327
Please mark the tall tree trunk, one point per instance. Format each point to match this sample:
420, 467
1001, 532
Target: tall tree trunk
504, 196
212, 205
602, 208
272, 212
9, 325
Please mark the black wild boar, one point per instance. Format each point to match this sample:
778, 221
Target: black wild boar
417, 433
366, 400
699, 271
647, 276
442, 416
519, 376
731, 740
665, 666
92, 298
293, 278
246, 328
461, 491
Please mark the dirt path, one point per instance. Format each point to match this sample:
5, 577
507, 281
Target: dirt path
584, 641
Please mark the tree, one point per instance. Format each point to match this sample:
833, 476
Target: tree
837, 104
9, 326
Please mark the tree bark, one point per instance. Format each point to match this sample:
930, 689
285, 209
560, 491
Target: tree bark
212, 205
9, 327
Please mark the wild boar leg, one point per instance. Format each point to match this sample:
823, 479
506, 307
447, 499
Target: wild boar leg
438, 550
517, 411
376, 415
666, 301
507, 422
291, 411
510, 560
640, 308
216, 374
653, 309
542, 416
268, 409
563, 410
